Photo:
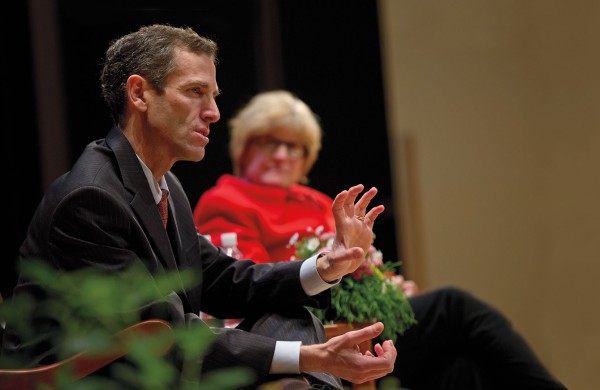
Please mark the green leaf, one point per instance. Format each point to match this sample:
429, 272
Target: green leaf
91, 306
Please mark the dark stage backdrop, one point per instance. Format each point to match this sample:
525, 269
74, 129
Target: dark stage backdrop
327, 52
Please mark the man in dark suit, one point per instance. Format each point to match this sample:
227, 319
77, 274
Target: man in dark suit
160, 85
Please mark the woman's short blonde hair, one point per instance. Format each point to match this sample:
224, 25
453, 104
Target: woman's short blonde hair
267, 112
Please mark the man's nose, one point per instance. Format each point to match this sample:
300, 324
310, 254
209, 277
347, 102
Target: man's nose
211, 114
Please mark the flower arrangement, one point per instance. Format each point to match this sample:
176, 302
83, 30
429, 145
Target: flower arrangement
371, 293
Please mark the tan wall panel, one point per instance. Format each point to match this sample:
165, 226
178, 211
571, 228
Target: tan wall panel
494, 120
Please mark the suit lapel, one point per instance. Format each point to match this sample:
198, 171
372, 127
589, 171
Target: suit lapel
142, 201
156, 232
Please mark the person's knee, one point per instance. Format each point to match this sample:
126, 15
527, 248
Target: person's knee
469, 307
452, 295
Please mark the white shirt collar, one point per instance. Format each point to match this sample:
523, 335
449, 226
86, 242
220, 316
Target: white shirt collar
155, 188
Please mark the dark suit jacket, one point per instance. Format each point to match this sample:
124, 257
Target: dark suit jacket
102, 214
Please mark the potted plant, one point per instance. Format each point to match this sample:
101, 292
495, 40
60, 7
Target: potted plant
371, 293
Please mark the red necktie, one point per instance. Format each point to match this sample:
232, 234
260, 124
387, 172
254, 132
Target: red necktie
164, 208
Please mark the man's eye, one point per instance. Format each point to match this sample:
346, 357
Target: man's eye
197, 91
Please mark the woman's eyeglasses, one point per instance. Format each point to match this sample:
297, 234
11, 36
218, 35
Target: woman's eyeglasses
271, 145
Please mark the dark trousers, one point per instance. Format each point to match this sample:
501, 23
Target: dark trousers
463, 343
295, 323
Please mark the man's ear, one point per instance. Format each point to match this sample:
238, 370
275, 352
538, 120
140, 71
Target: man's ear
136, 86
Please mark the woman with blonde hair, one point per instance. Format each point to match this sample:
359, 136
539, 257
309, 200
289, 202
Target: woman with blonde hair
274, 142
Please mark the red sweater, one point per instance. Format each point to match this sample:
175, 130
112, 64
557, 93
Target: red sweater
264, 217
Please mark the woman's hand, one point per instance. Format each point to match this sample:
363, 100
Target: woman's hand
409, 287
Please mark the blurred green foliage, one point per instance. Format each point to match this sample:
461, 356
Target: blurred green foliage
92, 306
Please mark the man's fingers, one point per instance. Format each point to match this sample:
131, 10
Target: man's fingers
339, 200
347, 254
351, 198
372, 214
346, 200
364, 200
366, 333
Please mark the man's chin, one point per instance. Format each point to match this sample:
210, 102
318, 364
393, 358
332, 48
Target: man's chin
197, 155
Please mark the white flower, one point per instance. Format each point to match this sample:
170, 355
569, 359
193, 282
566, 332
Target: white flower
313, 243
329, 242
293, 239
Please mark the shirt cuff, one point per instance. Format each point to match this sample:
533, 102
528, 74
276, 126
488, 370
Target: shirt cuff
311, 281
286, 359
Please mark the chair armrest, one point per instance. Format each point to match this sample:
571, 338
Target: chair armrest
87, 362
